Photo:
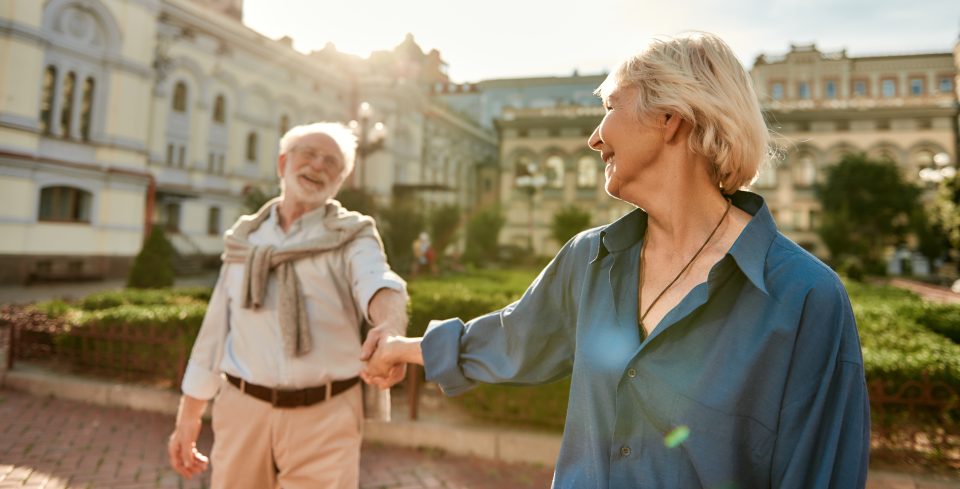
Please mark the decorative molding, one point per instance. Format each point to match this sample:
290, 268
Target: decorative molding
17, 121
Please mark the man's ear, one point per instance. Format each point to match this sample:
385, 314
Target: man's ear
670, 123
281, 165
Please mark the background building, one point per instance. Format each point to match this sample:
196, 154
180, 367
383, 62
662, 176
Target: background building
119, 115
900, 107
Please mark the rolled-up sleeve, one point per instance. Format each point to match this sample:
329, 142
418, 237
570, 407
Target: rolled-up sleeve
528, 342
823, 438
202, 376
369, 272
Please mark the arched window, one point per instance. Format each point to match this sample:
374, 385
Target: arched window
768, 176
805, 170
64, 204
284, 124
554, 171
66, 111
220, 110
46, 103
86, 108
587, 169
213, 221
252, 147
180, 97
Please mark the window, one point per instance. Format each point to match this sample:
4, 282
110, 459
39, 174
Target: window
219, 110
945, 84
813, 219
767, 178
916, 86
284, 124
888, 87
171, 214
220, 165
830, 89
213, 221
554, 170
252, 147
805, 170
66, 111
86, 108
587, 169
65, 204
860, 88
883, 125
46, 103
776, 91
803, 90
181, 156
180, 97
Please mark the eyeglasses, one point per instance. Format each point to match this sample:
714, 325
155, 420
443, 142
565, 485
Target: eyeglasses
331, 161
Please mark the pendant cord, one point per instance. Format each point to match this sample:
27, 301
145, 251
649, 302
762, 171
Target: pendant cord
685, 267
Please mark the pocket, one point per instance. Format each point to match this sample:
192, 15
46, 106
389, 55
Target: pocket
721, 447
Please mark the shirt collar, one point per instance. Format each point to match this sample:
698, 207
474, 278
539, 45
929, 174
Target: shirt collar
749, 252
310, 219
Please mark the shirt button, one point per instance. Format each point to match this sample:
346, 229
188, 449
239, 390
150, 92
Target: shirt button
632, 373
624, 451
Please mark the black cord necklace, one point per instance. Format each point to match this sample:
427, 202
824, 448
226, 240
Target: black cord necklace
685, 267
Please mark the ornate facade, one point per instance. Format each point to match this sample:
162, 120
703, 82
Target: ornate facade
899, 107
123, 114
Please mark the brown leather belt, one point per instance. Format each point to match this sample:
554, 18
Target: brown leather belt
292, 398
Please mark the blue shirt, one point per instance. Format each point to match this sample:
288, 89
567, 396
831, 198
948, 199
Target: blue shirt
756, 376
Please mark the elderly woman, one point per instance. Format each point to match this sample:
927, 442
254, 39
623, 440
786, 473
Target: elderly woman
705, 348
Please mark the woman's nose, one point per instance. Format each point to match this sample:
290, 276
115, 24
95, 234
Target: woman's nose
594, 142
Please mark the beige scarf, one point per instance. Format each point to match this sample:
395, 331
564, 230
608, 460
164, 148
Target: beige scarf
342, 225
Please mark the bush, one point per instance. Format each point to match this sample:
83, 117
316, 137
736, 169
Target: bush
483, 232
144, 297
153, 267
567, 222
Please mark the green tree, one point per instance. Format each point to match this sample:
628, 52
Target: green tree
255, 197
358, 199
567, 222
483, 233
399, 226
153, 266
444, 223
945, 213
866, 207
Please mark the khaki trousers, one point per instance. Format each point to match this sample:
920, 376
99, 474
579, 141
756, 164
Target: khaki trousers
258, 446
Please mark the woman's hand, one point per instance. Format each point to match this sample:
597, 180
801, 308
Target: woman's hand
387, 358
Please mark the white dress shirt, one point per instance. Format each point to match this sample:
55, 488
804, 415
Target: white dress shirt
247, 343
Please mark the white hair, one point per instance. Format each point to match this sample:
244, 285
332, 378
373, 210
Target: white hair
697, 76
342, 135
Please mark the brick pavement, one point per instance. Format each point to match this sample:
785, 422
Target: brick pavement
52, 443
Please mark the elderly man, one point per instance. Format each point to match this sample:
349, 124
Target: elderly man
280, 346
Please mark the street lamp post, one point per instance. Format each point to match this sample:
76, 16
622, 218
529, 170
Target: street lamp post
369, 140
532, 181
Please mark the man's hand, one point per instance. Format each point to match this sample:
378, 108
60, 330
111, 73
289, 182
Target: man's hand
380, 370
182, 446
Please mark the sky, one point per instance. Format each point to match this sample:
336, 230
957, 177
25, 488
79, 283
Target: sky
522, 38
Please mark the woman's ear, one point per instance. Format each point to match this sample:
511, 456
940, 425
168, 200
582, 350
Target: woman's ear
670, 124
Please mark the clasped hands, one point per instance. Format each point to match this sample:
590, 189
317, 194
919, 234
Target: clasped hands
386, 356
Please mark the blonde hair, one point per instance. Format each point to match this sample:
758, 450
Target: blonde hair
697, 76
342, 135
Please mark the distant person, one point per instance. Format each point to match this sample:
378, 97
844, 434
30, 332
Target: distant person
279, 347
424, 255
705, 348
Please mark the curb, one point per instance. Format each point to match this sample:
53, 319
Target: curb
490, 443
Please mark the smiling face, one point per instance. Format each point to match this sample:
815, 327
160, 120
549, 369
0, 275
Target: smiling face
629, 143
312, 170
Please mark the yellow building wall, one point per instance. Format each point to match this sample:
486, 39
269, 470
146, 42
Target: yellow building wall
16, 199
19, 87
